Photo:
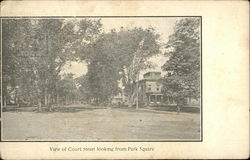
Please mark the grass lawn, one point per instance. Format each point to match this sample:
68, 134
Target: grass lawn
100, 124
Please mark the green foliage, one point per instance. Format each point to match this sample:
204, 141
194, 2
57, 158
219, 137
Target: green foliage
183, 65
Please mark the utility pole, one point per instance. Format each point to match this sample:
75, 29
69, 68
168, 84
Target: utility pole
139, 58
137, 89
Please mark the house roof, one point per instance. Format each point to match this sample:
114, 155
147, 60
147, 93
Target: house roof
152, 80
151, 72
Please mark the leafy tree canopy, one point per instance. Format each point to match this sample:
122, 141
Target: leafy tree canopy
184, 60
117, 55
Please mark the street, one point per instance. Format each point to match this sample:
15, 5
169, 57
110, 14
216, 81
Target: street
100, 124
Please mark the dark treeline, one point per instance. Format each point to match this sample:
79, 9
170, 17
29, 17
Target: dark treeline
34, 52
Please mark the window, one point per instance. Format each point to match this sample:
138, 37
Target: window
158, 87
149, 87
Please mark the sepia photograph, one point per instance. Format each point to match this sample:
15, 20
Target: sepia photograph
101, 79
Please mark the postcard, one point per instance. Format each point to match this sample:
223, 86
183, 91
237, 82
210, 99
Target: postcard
124, 79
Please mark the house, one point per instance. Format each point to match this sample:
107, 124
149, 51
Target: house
120, 99
150, 90
149, 93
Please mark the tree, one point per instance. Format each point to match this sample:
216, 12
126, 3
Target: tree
143, 44
39, 48
67, 89
16, 38
123, 53
99, 85
84, 92
183, 65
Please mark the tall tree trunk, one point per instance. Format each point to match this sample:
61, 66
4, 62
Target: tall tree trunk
57, 99
66, 100
39, 104
50, 105
5, 101
131, 95
46, 97
5, 92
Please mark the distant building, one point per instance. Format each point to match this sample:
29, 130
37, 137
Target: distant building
120, 99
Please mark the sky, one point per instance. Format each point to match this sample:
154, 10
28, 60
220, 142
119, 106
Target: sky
163, 26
